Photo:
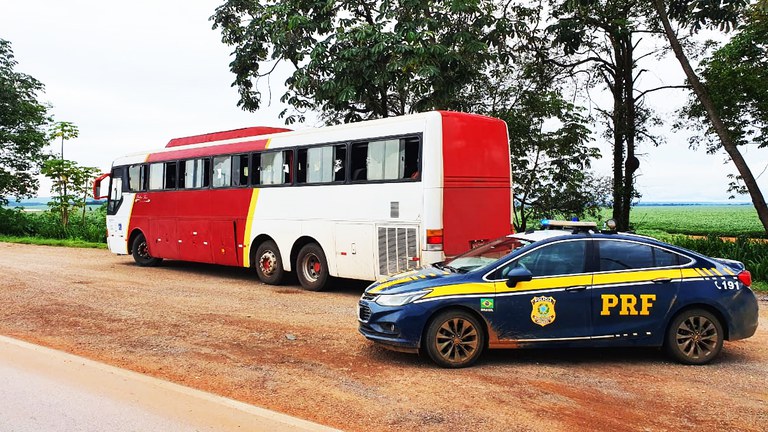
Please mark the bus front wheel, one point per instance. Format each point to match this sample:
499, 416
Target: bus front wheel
312, 267
268, 264
140, 252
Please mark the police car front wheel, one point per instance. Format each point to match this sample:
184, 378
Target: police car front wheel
454, 339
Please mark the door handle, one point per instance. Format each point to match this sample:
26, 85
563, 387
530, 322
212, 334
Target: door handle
662, 280
577, 288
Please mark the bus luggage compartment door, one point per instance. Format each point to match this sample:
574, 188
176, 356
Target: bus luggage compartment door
354, 251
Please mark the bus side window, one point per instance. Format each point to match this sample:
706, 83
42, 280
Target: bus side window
156, 176
411, 154
192, 173
170, 175
321, 164
136, 180
273, 168
115, 190
358, 163
287, 167
392, 159
222, 174
240, 170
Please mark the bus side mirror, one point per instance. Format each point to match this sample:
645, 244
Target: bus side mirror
517, 275
97, 187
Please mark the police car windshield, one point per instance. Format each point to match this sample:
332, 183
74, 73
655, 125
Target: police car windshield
485, 254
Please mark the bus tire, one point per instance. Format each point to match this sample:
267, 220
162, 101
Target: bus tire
140, 252
312, 267
268, 264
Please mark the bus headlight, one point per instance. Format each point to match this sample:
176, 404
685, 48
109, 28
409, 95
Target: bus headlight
400, 299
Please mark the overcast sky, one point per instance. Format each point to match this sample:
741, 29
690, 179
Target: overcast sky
132, 75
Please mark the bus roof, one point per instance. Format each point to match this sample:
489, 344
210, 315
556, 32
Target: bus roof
235, 140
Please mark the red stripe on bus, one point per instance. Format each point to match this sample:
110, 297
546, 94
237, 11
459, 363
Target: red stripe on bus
225, 135
241, 147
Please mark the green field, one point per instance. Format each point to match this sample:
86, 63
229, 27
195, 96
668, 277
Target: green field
722, 220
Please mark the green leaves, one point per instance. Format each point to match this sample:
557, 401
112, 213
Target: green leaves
23, 120
361, 59
736, 77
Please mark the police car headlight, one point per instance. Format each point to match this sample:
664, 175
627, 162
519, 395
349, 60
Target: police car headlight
400, 299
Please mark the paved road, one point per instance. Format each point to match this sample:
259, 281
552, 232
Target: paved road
46, 390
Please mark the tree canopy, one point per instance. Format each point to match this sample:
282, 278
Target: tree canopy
23, 122
357, 60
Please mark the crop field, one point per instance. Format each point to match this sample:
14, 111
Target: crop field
723, 220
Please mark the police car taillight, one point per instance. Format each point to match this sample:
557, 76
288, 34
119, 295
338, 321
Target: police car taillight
745, 277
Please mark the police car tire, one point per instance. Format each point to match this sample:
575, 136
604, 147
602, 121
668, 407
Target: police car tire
441, 321
691, 317
269, 248
316, 281
143, 259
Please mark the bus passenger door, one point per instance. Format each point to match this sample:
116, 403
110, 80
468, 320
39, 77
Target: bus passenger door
354, 251
223, 247
163, 242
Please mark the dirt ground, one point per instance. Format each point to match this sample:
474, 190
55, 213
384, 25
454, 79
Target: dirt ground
219, 330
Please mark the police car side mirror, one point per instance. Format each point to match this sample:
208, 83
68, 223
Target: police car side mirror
517, 275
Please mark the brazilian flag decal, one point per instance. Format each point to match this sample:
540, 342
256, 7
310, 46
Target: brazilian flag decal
486, 304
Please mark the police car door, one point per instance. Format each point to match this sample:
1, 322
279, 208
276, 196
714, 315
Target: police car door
554, 305
634, 287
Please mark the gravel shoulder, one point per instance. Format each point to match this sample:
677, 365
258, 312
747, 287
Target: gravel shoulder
217, 329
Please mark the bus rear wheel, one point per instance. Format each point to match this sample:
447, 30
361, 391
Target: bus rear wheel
140, 252
312, 267
268, 264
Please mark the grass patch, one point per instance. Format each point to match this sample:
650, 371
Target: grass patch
53, 242
723, 221
760, 286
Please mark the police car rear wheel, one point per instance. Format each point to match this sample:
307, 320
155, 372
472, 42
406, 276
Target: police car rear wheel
454, 339
695, 337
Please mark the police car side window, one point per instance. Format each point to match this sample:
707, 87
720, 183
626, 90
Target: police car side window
664, 258
619, 255
555, 259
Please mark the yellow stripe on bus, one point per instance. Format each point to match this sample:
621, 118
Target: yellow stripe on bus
249, 228
729, 271
714, 270
249, 222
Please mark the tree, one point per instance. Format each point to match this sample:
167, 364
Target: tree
550, 167
65, 131
736, 77
356, 60
724, 15
600, 39
70, 183
23, 121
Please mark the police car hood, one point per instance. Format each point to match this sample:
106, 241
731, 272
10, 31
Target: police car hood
426, 277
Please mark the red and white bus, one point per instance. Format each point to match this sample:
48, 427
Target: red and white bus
358, 201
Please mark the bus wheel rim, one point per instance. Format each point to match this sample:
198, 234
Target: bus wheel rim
312, 267
143, 250
267, 262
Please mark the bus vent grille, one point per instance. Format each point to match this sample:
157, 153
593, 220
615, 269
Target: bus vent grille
397, 247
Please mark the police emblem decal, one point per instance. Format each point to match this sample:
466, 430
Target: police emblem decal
486, 305
543, 310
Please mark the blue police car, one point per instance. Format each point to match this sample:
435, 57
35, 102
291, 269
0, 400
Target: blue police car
563, 288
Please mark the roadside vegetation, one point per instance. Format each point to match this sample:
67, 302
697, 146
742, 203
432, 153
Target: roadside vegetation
46, 227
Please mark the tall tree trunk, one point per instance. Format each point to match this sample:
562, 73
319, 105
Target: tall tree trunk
628, 90
722, 132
